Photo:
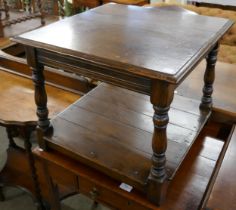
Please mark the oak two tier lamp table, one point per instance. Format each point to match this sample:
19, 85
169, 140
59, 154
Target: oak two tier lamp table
127, 134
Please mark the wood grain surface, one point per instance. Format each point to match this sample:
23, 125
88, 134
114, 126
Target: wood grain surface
133, 39
109, 122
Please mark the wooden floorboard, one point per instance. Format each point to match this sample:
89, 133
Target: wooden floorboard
140, 102
129, 107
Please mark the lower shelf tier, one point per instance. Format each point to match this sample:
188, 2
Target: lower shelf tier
186, 191
110, 129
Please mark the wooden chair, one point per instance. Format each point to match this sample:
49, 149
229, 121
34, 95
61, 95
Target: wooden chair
31, 10
4, 8
17, 115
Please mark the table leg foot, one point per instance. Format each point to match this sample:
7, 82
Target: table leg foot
157, 190
209, 77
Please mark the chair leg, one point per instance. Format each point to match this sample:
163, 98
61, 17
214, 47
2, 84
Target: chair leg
6, 8
39, 4
28, 146
2, 197
11, 133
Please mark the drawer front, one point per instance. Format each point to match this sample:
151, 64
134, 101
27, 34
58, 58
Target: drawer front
112, 197
63, 178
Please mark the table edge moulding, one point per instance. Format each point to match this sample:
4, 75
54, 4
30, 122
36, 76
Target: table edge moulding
144, 78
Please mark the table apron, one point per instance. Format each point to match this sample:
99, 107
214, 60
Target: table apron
96, 71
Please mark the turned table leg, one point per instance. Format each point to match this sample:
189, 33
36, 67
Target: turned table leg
40, 97
209, 77
161, 98
40, 94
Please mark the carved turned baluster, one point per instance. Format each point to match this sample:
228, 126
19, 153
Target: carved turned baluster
61, 10
161, 98
39, 4
6, 8
29, 6
40, 92
209, 78
40, 98
26, 134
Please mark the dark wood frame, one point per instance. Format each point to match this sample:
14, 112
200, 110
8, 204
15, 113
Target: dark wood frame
160, 99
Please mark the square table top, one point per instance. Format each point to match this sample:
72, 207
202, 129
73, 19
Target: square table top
158, 43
